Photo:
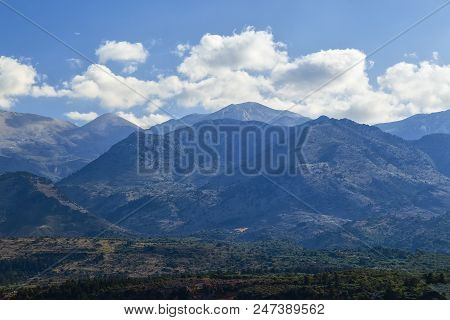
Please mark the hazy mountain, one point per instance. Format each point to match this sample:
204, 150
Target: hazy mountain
249, 111
355, 178
35, 143
419, 125
174, 124
252, 111
25, 126
97, 136
32, 206
437, 146
55, 148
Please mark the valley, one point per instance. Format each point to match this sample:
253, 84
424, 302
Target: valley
356, 212
75, 268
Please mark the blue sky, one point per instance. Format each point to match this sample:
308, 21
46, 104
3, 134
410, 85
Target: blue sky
304, 28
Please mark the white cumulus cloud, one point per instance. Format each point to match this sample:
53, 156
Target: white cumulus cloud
129, 69
181, 49
435, 55
122, 51
74, 62
305, 83
247, 66
249, 50
19, 79
146, 121
420, 88
130, 54
115, 92
78, 116
252, 66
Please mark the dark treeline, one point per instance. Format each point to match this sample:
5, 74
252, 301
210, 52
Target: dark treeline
355, 284
196, 269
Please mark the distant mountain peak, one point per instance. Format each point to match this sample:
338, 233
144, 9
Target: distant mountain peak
247, 111
55, 148
419, 125
108, 119
246, 106
18, 120
108, 115
352, 173
32, 206
322, 119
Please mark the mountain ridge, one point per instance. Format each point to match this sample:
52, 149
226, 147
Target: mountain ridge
31, 206
357, 177
437, 147
419, 125
55, 148
247, 111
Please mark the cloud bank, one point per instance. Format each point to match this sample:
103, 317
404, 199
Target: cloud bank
19, 79
122, 51
252, 66
84, 117
145, 121
129, 54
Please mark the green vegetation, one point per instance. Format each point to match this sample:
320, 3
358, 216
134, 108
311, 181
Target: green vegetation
354, 284
169, 268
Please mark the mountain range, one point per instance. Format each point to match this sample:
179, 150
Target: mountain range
32, 206
437, 147
360, 183
419, 125
249, 111
356, 186
55, 148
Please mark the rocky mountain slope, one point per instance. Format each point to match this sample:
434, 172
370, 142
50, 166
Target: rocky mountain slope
419, 125
437, 147
354, 180
55, 148
97, 136
249, 111
32, 206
